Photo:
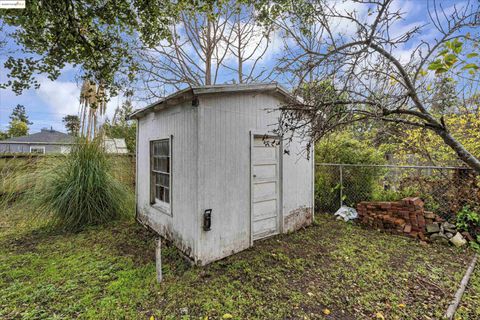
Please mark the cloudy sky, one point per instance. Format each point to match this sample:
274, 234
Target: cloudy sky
54, 99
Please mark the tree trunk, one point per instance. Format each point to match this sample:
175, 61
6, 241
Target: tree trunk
208, 56
459, 149
239, 54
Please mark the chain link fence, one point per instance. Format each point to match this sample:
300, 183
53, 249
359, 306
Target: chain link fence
445, 190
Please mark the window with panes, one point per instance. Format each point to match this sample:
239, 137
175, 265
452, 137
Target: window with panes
160, 164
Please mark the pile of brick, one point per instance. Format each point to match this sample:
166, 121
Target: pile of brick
406, 216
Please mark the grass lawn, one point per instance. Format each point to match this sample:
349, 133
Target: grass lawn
109, 273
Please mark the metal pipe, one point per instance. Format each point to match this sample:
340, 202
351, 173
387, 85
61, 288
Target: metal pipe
341, 185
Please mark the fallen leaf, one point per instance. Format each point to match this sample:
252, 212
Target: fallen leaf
310, 294
401, 305
227, 316
152, 318
326, 311
379, 315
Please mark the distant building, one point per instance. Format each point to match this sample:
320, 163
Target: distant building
52, 141
115, 145
45, 141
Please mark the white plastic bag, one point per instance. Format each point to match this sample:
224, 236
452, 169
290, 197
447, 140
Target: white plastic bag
346, 213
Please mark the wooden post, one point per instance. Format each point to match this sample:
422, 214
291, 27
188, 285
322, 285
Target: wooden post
158, 259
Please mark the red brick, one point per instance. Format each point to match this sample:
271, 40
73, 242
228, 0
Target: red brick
413, 221
467, 236
416, 229
385, 205
417, 202
429, 215
421, 222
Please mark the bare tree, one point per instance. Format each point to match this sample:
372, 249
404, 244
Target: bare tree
192, 56
248, 45
368, 66
206, 48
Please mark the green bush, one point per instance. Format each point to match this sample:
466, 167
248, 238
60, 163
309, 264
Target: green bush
468, 220
75, 190
82, 191
359, 183
395, 195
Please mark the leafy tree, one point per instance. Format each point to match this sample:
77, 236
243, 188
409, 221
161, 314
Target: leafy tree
3, 135
19, 113
19, 122
72, 124
120, 127
17, 128
97, 36
359, 183
370, 77
424, 145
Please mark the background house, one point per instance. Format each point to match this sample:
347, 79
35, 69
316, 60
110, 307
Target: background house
45, 141
52, 141
212, 177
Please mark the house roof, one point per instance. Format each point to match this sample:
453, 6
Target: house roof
45, 136
192, 92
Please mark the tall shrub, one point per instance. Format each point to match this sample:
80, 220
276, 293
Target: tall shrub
81, 190
359, 183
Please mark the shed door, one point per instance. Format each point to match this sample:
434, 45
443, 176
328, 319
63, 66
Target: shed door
265, 187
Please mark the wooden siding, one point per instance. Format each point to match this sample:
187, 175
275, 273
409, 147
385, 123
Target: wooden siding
211, 169
181, 123
225, 123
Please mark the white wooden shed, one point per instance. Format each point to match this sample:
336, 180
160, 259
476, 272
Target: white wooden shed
209, 180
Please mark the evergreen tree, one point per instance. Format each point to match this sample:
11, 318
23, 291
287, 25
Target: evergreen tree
18, 125
19, 113
72, 124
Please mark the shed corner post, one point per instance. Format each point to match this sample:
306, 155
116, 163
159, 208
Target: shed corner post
158, 259
251, 187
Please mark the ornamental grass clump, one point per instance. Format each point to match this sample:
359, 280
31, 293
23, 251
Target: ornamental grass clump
80, 189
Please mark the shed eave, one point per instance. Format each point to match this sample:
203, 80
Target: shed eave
170, 100
190, 93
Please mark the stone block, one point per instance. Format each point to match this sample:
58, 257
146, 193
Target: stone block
433, 228
407, 228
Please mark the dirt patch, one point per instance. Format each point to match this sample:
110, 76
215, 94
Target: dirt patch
138, 243
28, 242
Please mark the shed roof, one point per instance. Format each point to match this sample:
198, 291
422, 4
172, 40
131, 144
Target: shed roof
190, 93
45, 136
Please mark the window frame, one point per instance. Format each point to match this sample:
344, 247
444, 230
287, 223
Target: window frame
162, 206
37, 147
